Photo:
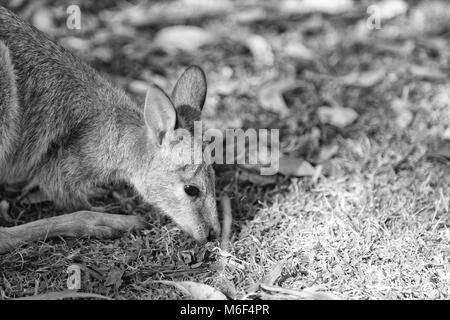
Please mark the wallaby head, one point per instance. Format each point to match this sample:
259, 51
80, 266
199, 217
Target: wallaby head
172, 181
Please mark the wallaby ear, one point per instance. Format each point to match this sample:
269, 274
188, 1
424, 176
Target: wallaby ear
159, 113
190, 89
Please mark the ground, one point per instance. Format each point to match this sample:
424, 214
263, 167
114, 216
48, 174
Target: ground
370, 223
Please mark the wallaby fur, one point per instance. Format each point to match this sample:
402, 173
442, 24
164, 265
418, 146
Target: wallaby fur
66, 129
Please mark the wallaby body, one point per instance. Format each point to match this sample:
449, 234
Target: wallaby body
66, 129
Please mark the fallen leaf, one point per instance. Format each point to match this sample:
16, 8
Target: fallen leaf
426, 72
4, 211
188, 38
441, 154
114, 278
296, 167
389, 9
337, 116
429, 18
308, 6
226, 286
274, 273
196, 265
270, 96
251, 15
403, 115
360, 31
225, 87
364, 79
104, 54
255, 178
327, 152
297, 50
198, 291
138, 86
43, 20
175, 12
75, 43
397, 48
260, 49
446, 134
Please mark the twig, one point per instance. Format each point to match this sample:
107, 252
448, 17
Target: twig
64, 295
226, 222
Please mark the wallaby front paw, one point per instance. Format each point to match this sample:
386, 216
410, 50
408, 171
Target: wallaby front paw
104, 225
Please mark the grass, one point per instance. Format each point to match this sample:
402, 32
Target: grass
374, 225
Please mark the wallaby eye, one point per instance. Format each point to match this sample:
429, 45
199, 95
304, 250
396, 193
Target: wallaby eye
191, 191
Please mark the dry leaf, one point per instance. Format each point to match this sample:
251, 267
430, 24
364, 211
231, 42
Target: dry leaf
76, 43
297, 50
403, 115
274, 273
255, 178
251, 15
260, 49
324, 6
104, 54
441, 154
138, 86
446, 134
4, 211
197, 291
389, 9
327, 152
224, 87
364, 79
188, 38
403, 49
271, 96
426, 72
174, 12
429, 18
337, 116
226, 286
114, 278
296, 167
43, 20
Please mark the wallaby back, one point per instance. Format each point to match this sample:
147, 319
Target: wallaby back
8, 105
63, 111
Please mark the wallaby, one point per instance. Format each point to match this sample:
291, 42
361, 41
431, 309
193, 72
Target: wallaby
66, 129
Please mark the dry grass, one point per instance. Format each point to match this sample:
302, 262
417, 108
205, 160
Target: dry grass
374, 225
